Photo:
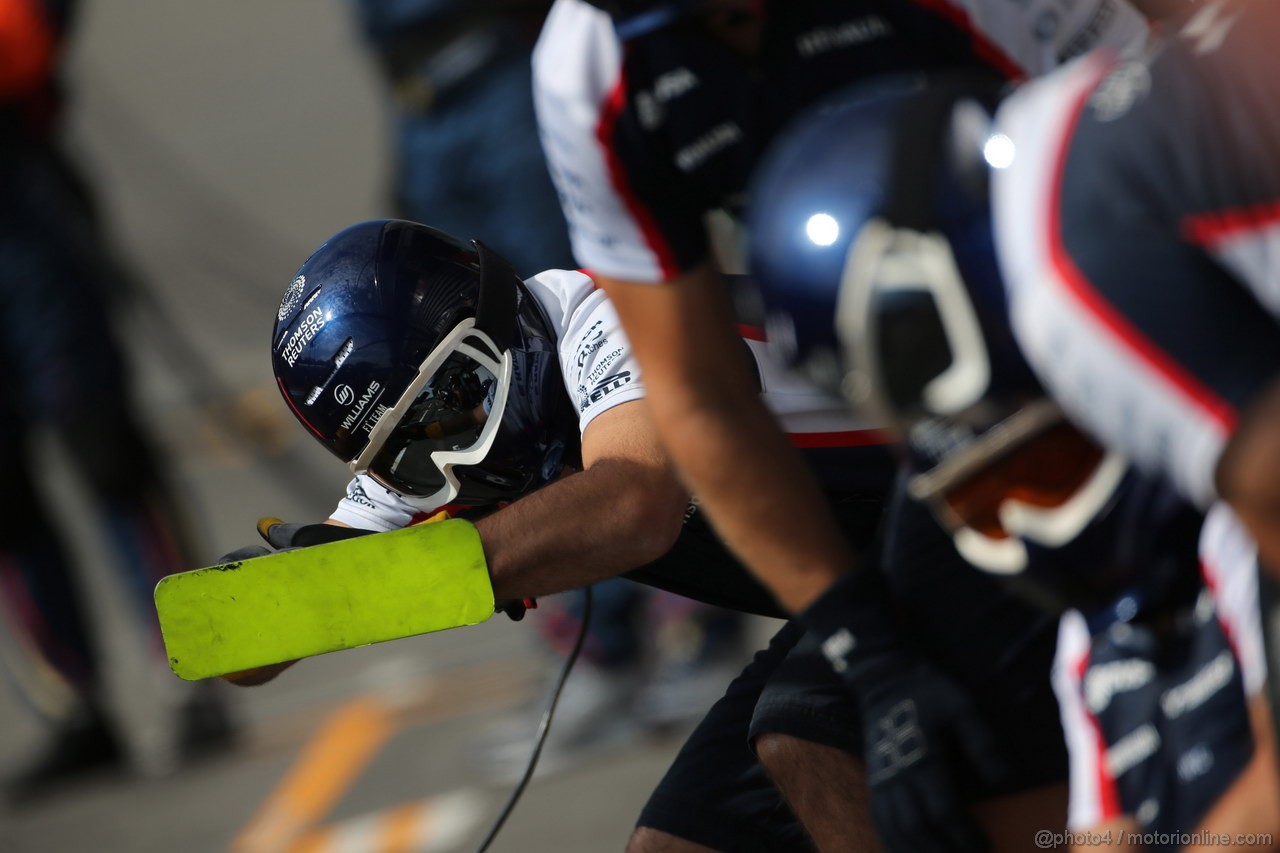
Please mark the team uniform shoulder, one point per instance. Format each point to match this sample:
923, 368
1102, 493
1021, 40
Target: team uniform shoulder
576, 59
596, 361
578, 97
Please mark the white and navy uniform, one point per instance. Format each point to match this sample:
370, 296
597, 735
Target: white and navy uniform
1138, 228
1157, 723
646, 137
600, 371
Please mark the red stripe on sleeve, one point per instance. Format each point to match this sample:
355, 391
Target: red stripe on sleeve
1209, 229
609, 114
1075, 281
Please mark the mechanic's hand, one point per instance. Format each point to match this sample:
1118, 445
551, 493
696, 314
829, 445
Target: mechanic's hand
284, 537
257, 676
248, 552
922, 741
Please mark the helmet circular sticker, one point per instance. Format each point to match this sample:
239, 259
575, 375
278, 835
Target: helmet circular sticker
291, 297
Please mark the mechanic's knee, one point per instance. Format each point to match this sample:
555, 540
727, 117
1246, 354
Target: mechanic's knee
803, 768
778, 753
645, 839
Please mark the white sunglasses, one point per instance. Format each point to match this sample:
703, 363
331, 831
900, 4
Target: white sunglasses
455, 343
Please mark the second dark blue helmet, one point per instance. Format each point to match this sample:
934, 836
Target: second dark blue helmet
871, 240
872, 243
423, 360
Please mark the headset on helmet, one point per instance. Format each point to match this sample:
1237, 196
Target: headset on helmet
423, 361
871, 242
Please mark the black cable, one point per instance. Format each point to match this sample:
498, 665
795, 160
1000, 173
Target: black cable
544, 727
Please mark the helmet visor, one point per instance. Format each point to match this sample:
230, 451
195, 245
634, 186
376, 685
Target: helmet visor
1044, 473
449, 415
1035, 478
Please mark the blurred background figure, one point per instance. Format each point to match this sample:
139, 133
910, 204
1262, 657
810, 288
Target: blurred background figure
468, 161
62, 371
467, 158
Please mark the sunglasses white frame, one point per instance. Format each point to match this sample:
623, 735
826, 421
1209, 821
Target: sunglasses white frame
444, 460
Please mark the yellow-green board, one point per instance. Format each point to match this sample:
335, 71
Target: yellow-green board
310, 601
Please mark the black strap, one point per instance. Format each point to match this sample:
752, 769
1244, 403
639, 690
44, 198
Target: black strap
499, 298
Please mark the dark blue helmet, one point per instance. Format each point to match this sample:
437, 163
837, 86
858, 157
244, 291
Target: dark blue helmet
871, 241
424, 361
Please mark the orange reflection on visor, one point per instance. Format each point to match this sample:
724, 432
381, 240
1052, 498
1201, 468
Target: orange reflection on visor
1045, 472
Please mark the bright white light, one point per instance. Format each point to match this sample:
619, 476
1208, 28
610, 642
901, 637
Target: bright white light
822, 229
998, 151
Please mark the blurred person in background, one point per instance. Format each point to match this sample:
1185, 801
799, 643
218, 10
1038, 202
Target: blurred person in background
468, 160
62, 370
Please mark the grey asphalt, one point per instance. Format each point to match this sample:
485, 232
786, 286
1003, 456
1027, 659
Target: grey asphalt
227, 140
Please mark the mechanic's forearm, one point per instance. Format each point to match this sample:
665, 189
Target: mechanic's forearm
755, 488
730, 452
583, 528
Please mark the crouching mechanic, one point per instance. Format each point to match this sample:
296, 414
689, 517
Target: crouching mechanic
441, 379
1159, 673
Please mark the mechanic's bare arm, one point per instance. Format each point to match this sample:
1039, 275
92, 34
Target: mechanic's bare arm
622, 511
728, 448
